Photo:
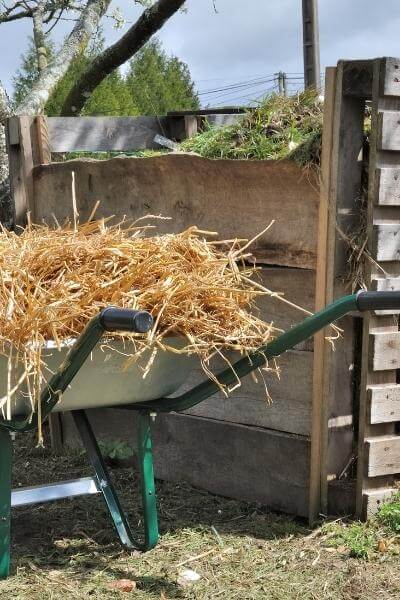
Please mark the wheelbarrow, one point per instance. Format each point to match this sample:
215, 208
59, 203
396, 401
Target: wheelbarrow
112, 320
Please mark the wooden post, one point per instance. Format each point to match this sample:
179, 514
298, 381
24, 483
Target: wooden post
379, 446
19, 148
332, 422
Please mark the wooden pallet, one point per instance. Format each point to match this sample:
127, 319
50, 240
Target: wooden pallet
376, 396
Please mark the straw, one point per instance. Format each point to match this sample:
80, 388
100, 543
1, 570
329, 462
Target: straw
52, 281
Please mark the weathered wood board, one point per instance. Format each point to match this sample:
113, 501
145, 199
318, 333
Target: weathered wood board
389, 130
248, 463
384, 403
383, 455
102, 134
289, 407
238, 199
375, 498
386, 351
291, 393
387, 242
388, 187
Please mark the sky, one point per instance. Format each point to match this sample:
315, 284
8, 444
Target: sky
245, 41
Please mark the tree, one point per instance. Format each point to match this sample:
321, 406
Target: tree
111, 97
159, 83
86, 16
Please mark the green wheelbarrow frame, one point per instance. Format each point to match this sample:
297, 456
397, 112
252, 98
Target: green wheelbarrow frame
114, 319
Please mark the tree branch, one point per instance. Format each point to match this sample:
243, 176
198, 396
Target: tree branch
73, 45
151, 20
39, 37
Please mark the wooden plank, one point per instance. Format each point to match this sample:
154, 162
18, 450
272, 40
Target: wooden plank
384, 403
383, 454
388, 186
19, 146
389, 130
357, 78
318, 440
228, 110
238, 199
289, 407
103, 134
387, 242
237, 461
55, 427
374, 499
333, 378
43, 136
391, 79
385, 351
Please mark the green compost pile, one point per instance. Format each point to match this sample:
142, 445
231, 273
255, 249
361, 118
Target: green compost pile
280, 127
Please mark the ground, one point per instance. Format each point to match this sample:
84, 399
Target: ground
241, 551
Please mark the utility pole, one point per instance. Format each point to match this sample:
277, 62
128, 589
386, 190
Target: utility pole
282, 83
311, 44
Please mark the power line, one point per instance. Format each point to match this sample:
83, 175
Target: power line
239, 84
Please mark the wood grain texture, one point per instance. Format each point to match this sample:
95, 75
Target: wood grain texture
102, 134
382, 230
389, 130
384, 403
333, 374
383, 455
234, 198
237, 461
374, 499
387, 242
289, 408
388, 186
391, 79
357, 78
385, 351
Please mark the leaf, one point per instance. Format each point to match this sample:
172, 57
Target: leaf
382, 546
123, 585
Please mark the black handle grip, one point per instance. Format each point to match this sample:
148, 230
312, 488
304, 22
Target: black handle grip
378, 301
125, 319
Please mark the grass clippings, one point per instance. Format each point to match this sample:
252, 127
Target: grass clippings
69, 550
281, 127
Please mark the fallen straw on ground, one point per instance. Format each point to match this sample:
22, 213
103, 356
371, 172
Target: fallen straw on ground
52, 281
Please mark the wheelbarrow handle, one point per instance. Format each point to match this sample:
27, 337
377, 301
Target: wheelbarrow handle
124, 319
378, 300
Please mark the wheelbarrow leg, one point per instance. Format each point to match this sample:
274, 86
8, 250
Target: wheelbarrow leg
5, 501
110, 496
149, 501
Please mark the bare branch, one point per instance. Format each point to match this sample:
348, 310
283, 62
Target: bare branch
151, 20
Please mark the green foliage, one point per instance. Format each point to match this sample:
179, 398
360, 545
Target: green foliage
279, 128
367, 540
116, 450
389, 514
28, 71
159, 83
359, 539
112, 97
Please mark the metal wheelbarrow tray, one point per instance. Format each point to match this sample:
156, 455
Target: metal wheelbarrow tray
111, 320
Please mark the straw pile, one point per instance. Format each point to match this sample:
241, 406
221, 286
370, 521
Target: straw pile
52, 281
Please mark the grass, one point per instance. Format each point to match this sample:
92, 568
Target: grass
281, 127
241, 551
